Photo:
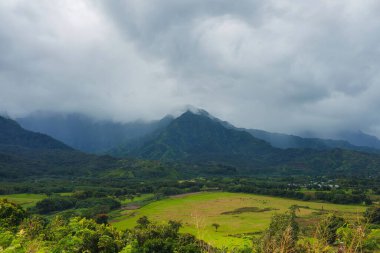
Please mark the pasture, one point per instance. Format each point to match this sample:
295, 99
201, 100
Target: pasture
240, 216
24, 199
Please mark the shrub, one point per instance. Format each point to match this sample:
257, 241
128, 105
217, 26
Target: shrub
11, 214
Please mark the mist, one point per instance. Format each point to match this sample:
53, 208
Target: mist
283, 66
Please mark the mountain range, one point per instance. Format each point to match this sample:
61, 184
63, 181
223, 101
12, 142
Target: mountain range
195, 143
199, 138
101, 136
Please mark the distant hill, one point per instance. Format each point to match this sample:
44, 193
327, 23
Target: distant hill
87, 134
25, 153
11, 133
292, 141
358, 138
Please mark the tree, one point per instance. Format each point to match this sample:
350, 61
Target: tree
101, 218
372, 215
327, 229
216, 226
130, 197
153, 237
281, 236
54, 203
176, 225
11, 214
143, 222
294, 208
33, 226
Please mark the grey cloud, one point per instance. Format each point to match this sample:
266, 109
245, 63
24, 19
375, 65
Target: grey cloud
285, 66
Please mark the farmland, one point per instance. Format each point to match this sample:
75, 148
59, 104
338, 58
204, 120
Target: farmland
24, 199
240, 216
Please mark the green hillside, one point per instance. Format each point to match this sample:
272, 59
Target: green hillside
200, 139
194, 136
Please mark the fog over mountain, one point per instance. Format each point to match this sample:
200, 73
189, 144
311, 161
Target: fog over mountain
284, 66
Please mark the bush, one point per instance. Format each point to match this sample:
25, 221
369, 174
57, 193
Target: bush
93, 202
281, 236
372, 215
55, 204
152, 237
329, 227
11, 214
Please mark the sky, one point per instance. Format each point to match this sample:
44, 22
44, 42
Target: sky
280, 65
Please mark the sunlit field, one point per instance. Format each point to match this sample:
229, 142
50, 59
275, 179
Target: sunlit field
240, 216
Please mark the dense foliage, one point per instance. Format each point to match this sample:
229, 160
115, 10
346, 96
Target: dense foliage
373, 215
21, 233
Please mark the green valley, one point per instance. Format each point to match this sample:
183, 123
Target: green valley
197, 212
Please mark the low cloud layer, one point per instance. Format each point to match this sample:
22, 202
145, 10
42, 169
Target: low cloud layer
287, 66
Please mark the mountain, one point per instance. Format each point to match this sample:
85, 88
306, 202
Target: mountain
25, 153
194, 135
199, 139
285, 141
101, 136
128, 146
87, 134
194, 144
359, 138
11, 133
361, 142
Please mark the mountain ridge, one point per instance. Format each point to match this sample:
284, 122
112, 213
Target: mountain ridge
198, 138
108, 137
285, 141
87, 134
11, 133
192, 145
189, 135
26, 153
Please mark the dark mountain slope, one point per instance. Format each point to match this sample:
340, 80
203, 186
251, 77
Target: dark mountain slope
193, 136
11, 133
89, 135
25, 153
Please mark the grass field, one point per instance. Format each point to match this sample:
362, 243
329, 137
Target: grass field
25, 200
198, 212
140, 198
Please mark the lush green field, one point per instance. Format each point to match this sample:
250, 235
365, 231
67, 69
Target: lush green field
25, 200
137, 199
199, 211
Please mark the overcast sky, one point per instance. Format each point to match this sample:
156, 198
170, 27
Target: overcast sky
279, 65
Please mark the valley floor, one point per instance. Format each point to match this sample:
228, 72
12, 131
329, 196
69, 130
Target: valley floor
240, 216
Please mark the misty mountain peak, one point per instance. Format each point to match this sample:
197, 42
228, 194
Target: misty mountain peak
197, 111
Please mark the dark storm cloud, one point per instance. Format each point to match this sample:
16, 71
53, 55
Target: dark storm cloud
279, 65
